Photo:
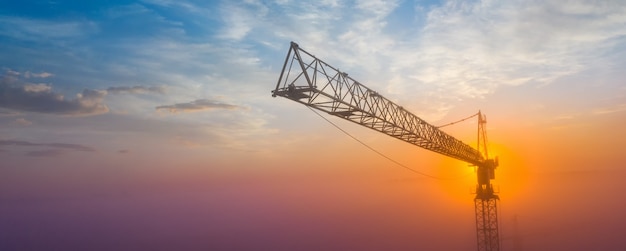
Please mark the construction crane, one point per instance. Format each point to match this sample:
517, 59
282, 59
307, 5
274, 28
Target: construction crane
314, 83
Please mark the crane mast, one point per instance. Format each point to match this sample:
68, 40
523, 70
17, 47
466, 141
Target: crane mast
312, 82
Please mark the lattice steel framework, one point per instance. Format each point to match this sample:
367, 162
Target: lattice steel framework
312, 82
486, 202
487, 224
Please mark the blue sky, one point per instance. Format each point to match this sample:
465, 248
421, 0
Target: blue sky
420, 53
165, 83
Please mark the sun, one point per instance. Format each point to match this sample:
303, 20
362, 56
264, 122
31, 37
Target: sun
457, 179
512, 173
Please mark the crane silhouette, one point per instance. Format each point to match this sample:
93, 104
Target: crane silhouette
314, 83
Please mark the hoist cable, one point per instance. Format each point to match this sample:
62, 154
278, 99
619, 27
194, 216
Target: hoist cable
458, 121
382, 154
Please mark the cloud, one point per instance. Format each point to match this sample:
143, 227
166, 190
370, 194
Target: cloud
470, 48
123, 151
240, 19
45, 153
176, 4
22, 122
52, 149
40, 98
197, 105
37, 88
67, 146
16, 94
38, 75
440, 53
35, 29
29, 74
609, 110
136, 90
10, 72
5, 112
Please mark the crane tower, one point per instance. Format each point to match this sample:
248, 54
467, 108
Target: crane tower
312, 82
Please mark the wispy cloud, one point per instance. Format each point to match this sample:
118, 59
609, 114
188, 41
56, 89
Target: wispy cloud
38, 75
190, 7
457, 50
29, 74
469, 49
37, 88
565, 117
240, 18
22, 122
52, 149
75, 147
136, 89
6, 112
238, 24
609, 110
36, 29
45, 153
197, 105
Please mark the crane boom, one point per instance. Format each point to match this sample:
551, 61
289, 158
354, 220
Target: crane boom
312, 82
321, 86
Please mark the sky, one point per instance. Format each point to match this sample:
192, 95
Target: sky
149, 125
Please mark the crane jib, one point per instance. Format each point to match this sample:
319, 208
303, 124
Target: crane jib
312, 82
